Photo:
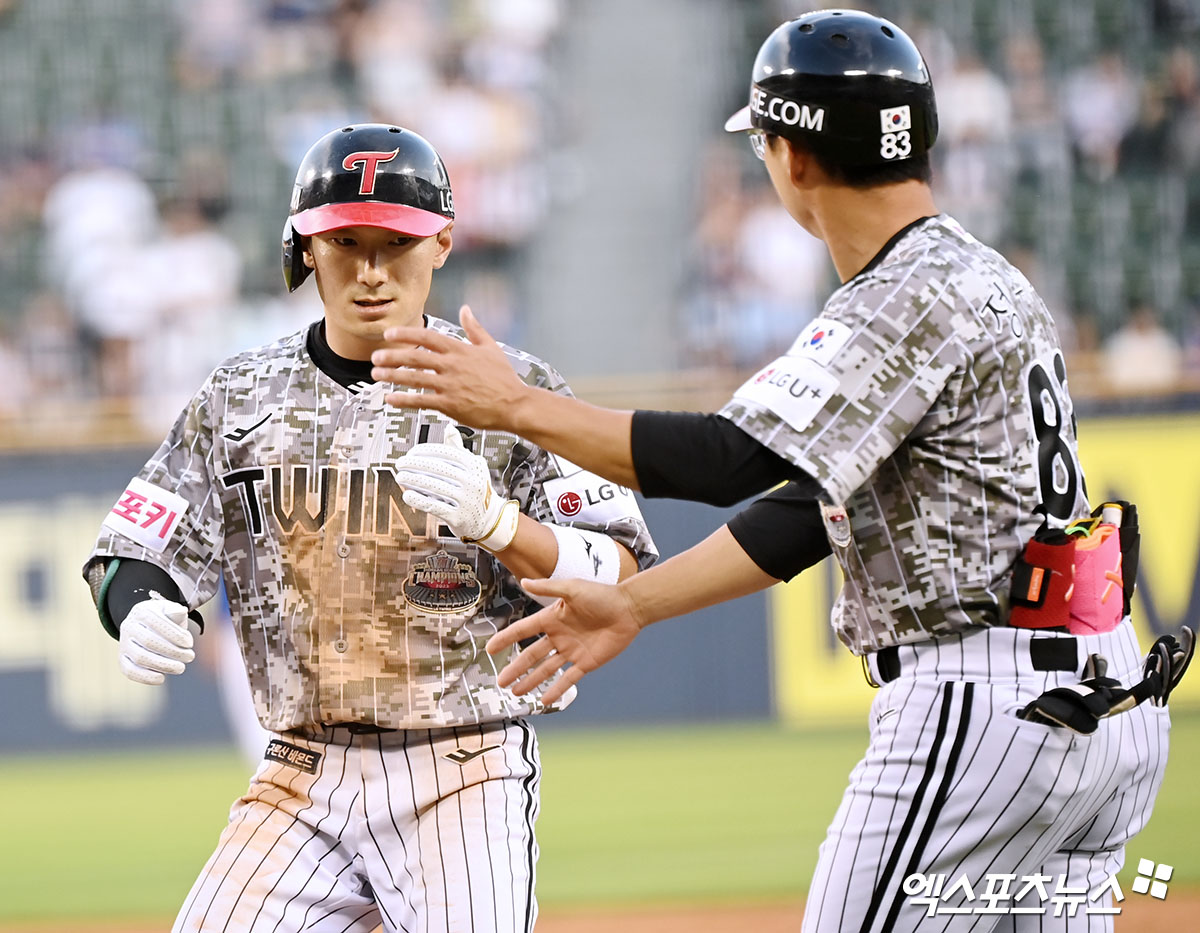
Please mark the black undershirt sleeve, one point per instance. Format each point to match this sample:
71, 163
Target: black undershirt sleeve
707, 458
783, 532
701, 457
132, 583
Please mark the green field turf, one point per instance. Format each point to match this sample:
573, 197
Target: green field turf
722, 812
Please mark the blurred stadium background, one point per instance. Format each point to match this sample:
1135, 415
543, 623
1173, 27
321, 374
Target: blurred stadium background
605, 222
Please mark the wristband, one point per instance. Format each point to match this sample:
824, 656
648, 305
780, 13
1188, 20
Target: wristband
585, 555
582, 555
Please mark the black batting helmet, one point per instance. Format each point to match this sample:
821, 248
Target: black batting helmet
846, 84
370, 174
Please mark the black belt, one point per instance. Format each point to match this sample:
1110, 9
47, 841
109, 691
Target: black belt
360, 728
1045, 654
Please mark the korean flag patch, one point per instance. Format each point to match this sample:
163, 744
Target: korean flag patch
894, 119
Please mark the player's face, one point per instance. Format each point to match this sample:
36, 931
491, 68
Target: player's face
371, 279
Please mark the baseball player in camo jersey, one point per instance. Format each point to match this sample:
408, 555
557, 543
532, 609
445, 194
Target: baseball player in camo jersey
368, 554
924, 430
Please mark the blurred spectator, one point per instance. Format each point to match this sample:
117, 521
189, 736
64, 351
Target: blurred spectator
1142, 356
394, 53
975, 121
1040, 144
1100, 104
1183, 110
712, 269
216, 40
98, 223
49, 343
1173, 18
508, 49
18, 382
1145, 149
192, 274
346, 21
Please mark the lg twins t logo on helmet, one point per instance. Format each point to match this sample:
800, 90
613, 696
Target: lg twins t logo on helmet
370, 162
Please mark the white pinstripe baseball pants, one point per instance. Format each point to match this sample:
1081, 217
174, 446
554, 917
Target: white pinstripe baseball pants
387, 830
954, 785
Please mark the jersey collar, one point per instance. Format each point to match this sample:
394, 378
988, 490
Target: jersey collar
890, 245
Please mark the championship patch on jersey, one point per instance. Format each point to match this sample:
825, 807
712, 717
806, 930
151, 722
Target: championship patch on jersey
442, 584
820, 341
146, 514
586, 497
302, 759
793, 389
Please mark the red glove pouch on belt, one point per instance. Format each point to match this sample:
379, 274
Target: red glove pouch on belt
1043, 582
1075, 580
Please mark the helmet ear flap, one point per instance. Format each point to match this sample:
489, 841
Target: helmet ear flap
294, 269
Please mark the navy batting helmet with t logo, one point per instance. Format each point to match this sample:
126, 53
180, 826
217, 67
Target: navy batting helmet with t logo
371, 175
845, 84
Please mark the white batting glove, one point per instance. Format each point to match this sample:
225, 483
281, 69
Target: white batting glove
451, 483
155, 641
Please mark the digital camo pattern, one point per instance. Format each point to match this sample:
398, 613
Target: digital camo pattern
290, 488
930, 402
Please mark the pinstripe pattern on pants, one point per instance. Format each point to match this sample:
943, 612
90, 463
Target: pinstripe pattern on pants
387, 830
953, 784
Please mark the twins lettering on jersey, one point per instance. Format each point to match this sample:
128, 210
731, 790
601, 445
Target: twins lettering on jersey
374, 497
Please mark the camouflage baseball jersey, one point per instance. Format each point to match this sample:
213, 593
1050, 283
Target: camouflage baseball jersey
349, 605
929, 400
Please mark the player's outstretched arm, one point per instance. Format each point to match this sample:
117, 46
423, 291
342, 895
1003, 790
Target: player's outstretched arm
592, 623
474, 384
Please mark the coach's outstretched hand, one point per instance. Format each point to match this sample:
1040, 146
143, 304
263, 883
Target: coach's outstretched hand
589, 626
472, 382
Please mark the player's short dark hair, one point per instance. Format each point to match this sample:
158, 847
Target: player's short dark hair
917, 168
